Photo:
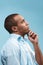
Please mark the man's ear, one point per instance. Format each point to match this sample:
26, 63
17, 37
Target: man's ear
14, 28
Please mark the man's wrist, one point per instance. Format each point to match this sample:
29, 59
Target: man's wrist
35, 44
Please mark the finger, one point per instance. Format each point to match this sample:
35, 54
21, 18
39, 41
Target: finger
34, 36
30, 33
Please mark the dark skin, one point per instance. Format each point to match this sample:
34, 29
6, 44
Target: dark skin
42, 59
22, 28
38, 55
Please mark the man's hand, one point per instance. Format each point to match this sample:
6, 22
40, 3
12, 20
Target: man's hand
38, 54
33, 37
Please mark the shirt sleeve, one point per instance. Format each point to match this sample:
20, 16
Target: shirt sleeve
10, 57
32, 55
3, 58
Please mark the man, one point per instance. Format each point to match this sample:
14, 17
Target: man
17, 50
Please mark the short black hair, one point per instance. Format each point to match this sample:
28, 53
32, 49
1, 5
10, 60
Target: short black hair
9, 22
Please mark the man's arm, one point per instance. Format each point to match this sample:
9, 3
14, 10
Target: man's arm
42, 59
10, 57
34, 39
38, 54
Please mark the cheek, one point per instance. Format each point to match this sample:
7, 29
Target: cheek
21, 27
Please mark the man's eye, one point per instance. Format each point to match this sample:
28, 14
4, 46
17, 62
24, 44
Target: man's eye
22, 21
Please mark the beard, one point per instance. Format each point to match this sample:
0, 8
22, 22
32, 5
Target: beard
26, 32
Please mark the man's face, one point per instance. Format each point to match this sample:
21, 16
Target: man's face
22, 24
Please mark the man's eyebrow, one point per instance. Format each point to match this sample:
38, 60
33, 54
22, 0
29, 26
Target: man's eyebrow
23, 19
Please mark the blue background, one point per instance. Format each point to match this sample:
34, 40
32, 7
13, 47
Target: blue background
32, 10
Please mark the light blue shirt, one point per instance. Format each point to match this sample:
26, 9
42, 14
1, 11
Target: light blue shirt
17, 51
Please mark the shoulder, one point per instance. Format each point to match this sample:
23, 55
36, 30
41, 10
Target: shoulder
10, 46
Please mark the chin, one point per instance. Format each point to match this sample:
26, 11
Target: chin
27, 32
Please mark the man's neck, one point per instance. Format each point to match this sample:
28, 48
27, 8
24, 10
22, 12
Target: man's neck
19, 34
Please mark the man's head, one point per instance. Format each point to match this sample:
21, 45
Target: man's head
15, 23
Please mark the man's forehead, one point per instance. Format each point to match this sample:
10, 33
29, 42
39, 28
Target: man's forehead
18, 18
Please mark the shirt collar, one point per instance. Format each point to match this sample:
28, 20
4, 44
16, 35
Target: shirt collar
17, 36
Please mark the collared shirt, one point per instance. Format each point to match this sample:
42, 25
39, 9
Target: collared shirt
17, 51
